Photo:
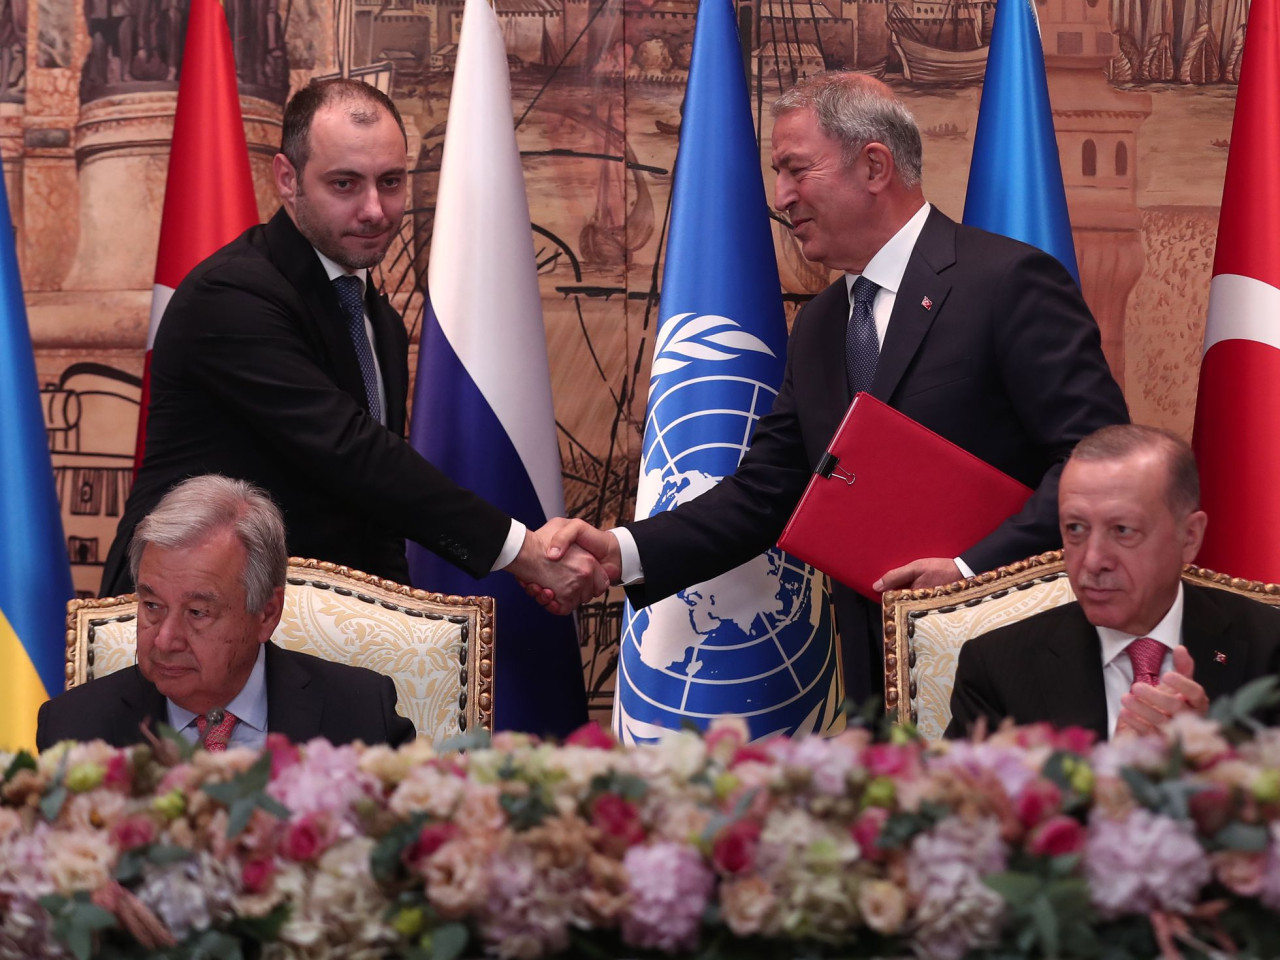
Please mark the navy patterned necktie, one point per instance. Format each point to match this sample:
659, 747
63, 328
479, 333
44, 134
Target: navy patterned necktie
349, 295
861, 348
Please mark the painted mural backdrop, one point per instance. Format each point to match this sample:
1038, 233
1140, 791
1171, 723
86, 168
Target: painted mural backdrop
1143, 92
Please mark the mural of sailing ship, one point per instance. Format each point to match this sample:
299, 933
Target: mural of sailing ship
940, 43
1184, 41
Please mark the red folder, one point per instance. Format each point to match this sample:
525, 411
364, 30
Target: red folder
889, 491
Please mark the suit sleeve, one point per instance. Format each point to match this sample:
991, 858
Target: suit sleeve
241, 346
399, 730
1049, 355
737, 519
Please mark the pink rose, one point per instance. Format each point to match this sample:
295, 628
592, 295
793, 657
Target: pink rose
1078, 740
1057, 836
132, 832
591, 735
304, 839
431, 838
887, 759
866, 832
1039, 800
734, 850
119, 774
1239, 871
750, 753
284, 754
618, 820
256, 874
1212, 808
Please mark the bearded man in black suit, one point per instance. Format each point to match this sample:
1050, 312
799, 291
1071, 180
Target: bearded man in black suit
1129, 508
210, 565
983, 339
278, 362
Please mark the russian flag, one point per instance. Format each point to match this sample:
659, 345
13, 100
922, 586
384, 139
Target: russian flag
1237, 427
1015, 176
482, 408
35, 572
208, 196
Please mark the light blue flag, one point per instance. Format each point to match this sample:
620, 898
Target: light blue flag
756, 642
35, 571
1015, 178
482, 408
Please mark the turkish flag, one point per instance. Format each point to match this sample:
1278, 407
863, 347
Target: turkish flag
208, 197
1237, 428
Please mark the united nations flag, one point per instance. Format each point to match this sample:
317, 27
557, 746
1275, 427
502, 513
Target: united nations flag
756, 642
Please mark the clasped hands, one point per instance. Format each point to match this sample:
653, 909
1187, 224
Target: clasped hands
567, 562
1145, 709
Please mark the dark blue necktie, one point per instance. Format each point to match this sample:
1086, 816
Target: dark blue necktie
861, 348
349, 295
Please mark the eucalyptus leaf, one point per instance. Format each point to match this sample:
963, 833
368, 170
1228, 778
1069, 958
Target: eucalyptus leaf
21, 761
1017, 888
448, 941
1045, 920
479, 739
1249, 837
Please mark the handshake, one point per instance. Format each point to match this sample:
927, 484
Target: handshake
566, 563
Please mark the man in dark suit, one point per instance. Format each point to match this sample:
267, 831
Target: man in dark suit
980, 338
1138, 646
210, 565
262, 371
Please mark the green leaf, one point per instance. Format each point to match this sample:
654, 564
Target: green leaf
264, 929
215, 945
385, 859
1016, 888
186, 748
1250, 837
1046, 925
1245, 702
22, 761
51, 803
129, 867
75, 920
448, 941
1143, 790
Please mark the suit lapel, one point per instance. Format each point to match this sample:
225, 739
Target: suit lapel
921, 298
1206, 634
297, 260
140, 700
388, 332
1071, 685
294, 707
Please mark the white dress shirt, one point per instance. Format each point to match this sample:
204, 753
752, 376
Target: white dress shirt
1117, 668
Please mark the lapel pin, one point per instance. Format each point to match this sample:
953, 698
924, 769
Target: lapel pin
927, 303
1219, 657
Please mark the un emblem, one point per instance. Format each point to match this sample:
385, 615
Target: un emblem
756, 642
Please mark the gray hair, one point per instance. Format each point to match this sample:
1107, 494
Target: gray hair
197, 508
1123, 440
855, 110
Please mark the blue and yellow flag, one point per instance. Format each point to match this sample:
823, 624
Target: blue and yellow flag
35, 573
1015, 177
756, 642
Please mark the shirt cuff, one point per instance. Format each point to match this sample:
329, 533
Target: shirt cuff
514, 541
966, 571
632, 571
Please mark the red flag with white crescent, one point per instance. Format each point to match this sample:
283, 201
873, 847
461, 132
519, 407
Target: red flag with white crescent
1237, 428
208, 197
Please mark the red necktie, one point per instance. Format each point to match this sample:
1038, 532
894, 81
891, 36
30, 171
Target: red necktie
1147, 656
219, 733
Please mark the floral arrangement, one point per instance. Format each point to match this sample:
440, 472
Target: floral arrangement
1032, 843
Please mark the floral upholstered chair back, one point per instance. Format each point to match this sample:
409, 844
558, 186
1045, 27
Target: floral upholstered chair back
438, 650
924, 629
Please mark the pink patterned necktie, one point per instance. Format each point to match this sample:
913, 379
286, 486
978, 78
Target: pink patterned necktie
219, 733
1147, 656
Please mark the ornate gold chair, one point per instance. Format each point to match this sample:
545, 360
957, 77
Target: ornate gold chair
924, 629
437, 649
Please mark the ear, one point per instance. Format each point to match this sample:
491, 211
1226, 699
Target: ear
880, 168
270, 614
1193, 534
286, 179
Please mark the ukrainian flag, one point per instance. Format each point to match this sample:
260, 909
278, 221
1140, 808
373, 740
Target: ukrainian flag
35, 573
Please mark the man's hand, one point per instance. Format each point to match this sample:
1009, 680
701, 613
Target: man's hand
1146, 708
929, 572
566, 539
562, 584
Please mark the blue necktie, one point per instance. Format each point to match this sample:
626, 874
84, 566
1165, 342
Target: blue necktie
349, 295
861, 348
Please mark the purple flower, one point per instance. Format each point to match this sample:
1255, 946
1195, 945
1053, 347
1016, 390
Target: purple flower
328, 779
668, 884
956, 911
1008, 763
1144, 862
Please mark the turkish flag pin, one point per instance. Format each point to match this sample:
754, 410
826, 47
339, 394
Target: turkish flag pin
927, 303
1219, 656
